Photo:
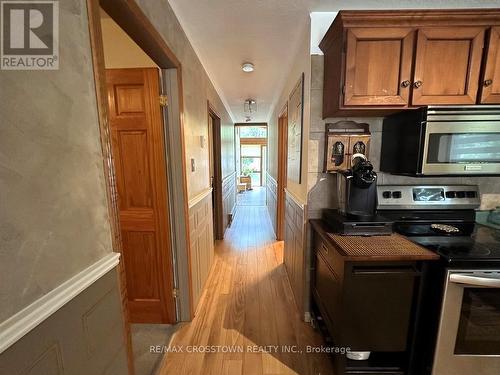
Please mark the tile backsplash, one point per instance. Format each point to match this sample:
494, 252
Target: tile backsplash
322, 186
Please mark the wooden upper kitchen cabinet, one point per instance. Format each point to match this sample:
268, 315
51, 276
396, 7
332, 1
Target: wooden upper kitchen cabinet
378, 62
490, 83
378, 66
447, 65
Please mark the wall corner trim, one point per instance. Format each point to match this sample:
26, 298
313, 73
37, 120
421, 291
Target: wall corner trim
18, 325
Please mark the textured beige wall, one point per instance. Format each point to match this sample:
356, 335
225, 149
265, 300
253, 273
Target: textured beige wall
53, 209
120, 51
197, 89
301, 64
83, 337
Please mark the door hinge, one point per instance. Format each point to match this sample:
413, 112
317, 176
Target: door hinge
163, 100
175, 293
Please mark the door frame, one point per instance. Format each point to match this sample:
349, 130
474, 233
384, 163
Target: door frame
262, 142
128, 15
215, 143
282, 171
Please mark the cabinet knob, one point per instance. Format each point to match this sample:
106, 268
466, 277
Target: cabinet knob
405, 83
417, 84
488, 82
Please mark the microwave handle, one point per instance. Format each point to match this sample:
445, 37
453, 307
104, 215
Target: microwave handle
481, 281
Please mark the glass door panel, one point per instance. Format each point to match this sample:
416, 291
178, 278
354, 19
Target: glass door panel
479, 326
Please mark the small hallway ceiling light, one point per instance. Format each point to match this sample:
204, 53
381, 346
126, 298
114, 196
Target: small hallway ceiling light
250, 106
247, 67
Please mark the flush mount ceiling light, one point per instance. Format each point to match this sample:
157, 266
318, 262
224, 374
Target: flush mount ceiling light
247, 67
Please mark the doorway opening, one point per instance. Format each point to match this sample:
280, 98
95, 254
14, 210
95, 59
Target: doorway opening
251, 164
282, 172
215, 168
139, 92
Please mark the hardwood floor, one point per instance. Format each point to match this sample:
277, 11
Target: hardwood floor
247, 302
254, 197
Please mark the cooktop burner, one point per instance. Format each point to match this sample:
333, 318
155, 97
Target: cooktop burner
482, 245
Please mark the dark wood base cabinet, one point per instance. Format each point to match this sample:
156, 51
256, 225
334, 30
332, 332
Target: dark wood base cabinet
367, 306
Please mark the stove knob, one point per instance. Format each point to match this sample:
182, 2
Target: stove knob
471, 194
386, 194
450, 194
460, 194
396, 194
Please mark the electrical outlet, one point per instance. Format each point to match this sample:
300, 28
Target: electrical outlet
193, 166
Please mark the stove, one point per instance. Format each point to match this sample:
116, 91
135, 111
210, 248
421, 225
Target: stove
442, 219
458, 314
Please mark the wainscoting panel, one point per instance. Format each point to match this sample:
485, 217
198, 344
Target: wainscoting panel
272, 200
228, 199
294, 255
202, 242
85, 336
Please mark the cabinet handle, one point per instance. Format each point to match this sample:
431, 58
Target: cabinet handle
488, 82
417, 84
325, 249
405, 83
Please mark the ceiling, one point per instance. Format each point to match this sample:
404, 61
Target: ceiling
226, 33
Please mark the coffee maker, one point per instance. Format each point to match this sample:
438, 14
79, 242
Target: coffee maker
357, 201
357, 190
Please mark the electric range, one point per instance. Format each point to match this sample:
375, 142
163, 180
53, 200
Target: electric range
458, 315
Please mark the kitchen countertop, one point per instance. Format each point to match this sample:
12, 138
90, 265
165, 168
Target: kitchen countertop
372, 248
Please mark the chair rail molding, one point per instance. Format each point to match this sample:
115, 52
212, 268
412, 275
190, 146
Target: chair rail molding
199, 197
21, 323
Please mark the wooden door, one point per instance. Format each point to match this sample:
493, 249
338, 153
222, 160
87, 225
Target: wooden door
490, 85
282, 173
447, 65
378, 66
214, 125
137, 140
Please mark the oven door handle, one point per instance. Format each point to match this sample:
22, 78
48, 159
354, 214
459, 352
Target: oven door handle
488, 282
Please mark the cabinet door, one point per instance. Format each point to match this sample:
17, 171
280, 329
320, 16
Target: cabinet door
336, 154
378, 66
359, 144
447, 65
490, 92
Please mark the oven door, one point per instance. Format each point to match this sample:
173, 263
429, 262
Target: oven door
468, 147
469, 330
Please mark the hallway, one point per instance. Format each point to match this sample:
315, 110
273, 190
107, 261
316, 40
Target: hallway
254, 197
247, 301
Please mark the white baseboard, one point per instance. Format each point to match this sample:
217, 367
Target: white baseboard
18, 325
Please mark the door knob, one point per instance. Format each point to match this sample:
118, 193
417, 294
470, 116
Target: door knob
488, 82
405, 83
417, 84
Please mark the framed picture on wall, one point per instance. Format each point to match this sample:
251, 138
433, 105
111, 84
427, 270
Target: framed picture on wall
295, 123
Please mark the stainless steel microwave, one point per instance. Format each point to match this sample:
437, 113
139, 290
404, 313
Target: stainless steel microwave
442, 140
